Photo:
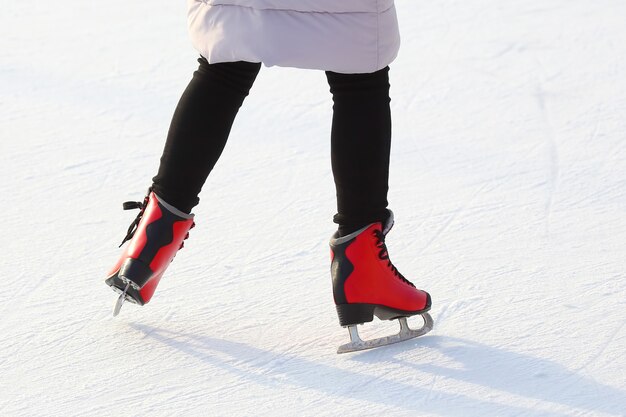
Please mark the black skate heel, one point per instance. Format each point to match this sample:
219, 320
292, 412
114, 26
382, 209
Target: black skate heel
128, 281
135, 271
351, 314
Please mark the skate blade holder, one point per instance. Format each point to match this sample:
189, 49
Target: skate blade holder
406, 333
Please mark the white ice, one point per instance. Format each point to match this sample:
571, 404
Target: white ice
508, 183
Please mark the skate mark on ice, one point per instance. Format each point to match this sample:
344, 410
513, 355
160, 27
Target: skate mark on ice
610, 338
459, 210
604, 195
552, 152
612, 158
453, 307
25, 294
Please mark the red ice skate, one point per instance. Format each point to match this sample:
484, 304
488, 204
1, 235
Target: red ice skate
367, 284
155, 237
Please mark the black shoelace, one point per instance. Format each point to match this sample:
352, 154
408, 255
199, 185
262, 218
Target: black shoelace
384, 255
132, 205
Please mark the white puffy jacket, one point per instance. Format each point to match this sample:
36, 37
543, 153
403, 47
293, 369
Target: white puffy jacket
348, 36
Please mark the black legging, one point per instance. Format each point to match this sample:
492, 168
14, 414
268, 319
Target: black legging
360, 138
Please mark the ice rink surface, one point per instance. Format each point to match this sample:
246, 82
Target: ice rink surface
508, 183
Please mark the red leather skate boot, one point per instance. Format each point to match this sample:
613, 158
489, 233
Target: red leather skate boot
155, 237
367, 284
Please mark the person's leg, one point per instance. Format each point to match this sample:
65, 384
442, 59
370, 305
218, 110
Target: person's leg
360, 146
365, 281
200, 128
197, 136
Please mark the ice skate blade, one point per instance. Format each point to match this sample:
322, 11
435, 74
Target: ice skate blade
406, 333
120, 301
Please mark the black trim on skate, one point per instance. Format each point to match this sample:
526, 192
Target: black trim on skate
350, 314
136, 271
359, 313
159, 233
340, 270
